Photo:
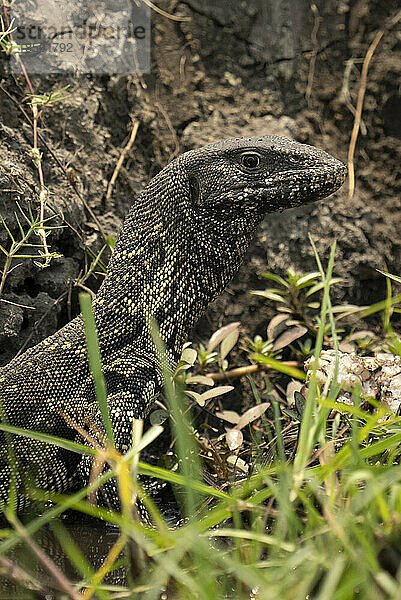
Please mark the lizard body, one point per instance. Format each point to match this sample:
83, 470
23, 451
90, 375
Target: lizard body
180, 245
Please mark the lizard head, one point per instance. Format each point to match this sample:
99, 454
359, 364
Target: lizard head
188, 231
237, 181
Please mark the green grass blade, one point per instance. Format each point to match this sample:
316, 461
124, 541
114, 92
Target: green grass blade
268, 540
187, 449
95, 362
178, 479
49, 439
278, 366
306, 435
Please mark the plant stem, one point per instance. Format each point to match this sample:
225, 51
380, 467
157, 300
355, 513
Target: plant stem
38, 156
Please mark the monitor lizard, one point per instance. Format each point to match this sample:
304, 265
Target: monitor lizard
180, 245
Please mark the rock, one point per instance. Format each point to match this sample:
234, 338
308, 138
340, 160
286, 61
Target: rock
55, 278
379, 377
25, 321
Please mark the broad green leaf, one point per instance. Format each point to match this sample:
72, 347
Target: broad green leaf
320, 286
220, 335
228, 343
189, 355
276, 278
269, 295
200, 379
306, 279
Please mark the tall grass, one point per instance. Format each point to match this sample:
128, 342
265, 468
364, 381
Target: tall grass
325, 526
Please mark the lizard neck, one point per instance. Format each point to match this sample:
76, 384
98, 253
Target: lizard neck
163, 268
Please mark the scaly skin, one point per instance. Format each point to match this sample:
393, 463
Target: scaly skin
181, 243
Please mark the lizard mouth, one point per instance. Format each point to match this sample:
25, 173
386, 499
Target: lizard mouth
298, 187
275, 192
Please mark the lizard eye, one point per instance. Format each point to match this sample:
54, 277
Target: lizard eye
250, 160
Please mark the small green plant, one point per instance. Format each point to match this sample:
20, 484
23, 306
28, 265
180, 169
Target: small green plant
206, 357
6, 43
294, 295
259, 346
46, 100
184, 376
224, 339
22, 248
